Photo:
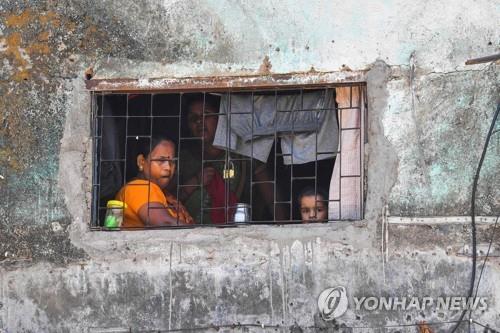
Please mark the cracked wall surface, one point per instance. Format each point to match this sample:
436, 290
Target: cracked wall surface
427, 123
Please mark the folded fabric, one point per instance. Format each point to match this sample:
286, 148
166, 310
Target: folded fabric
274, 113
225, 139
296, 118
318, 145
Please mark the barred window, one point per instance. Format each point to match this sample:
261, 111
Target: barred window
224, 158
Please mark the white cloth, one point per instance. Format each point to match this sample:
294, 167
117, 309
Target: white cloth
304, 146
347, 190
312, 121
226, 138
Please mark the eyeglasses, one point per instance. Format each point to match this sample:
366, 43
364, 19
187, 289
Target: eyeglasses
161, 161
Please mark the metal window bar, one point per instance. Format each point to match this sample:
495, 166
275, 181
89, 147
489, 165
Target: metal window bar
252, 156
339, 156
275, 150
150, 151
362, 130
100, 149
227, 184
125, 153
316, 151
202, 192
179, 128
291, 154
97, 127
95, 160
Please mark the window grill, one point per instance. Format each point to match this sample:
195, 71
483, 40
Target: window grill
123, 121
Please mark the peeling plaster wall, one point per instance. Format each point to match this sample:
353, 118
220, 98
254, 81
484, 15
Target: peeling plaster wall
428, 118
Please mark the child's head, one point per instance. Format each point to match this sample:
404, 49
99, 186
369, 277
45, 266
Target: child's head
312, 204
156, 160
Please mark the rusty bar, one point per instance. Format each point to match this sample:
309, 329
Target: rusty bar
482, 60
223, 83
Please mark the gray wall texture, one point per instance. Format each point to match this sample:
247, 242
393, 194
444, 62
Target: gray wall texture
428, 119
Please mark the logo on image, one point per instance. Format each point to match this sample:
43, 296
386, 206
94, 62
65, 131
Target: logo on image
332, 303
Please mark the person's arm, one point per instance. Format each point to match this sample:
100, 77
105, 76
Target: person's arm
267, 191
186, 191
156, 214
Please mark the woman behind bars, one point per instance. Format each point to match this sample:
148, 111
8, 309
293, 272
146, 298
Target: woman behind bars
148, 203
212, 193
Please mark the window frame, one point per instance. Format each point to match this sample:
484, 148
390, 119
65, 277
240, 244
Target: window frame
234, 85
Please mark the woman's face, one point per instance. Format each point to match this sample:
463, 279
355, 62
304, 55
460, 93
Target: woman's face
159, 167
195, 121
312, 210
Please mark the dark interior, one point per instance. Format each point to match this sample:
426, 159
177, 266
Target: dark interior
119, 119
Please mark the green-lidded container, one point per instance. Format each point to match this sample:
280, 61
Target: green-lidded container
114, 214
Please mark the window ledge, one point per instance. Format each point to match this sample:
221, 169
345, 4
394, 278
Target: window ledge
97, 243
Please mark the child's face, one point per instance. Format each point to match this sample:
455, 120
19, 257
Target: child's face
159, 167
312, 210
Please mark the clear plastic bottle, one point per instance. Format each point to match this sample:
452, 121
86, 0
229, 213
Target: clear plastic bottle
114, 214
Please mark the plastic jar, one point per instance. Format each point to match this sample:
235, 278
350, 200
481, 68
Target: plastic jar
114, 214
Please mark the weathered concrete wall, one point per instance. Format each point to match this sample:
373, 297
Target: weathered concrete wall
428, 117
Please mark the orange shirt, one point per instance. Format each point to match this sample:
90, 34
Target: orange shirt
139, 192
